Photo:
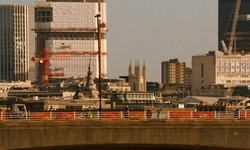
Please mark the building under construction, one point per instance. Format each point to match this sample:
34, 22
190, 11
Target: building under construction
70, 36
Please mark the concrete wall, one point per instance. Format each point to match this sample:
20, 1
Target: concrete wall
204, 76
130, 133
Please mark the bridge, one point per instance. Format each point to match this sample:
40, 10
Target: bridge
125, 133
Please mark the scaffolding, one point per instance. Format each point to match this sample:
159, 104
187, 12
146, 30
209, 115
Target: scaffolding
72, 31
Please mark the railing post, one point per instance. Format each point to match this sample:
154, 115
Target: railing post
1, 115
168, 115
245, 114
74, 115
121, 114
98, 114
26, 115
215, 114
239, 114
50, 115
191, 114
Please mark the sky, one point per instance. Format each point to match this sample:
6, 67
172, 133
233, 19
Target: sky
153, 31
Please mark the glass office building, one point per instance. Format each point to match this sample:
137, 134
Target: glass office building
226, 13
16, 42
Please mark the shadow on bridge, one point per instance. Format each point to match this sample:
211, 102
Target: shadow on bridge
128, 147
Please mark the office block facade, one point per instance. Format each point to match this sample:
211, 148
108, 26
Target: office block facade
173, 72
16, 42
215, 68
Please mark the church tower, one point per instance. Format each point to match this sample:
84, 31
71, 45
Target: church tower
137, 79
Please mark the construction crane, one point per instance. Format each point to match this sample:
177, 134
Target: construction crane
99, 6
100, 26
99, 38
77, 52
42, 57
234, 25
233, 30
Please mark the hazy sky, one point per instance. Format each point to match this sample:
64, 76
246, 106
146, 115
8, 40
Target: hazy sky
154, 31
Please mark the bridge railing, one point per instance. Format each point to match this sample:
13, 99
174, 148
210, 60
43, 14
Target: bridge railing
72, 115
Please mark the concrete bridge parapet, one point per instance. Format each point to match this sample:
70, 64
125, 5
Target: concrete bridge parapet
213, 133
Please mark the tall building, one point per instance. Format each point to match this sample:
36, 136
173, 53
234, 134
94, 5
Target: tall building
173, 72
16, 42
215, 68
137, 79
188, 78
68, 30
226, 11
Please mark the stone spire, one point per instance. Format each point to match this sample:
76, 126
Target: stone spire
130, 69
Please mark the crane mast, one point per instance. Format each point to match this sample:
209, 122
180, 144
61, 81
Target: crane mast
43, 58
99, 6
99, 38
234, 25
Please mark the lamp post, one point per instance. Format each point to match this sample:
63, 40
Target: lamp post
99, 57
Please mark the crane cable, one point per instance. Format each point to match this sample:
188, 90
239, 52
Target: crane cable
229, 20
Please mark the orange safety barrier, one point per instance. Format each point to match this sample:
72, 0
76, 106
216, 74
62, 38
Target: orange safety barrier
136, 115
82, 115
203, 114
40, 115
3, 115
244, 114
181, 114
63, 115
131, 114
248, 115
111, 115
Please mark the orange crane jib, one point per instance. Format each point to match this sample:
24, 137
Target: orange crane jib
42, 57
78, 52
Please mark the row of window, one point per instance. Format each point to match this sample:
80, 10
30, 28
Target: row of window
233, 64
233, 75
232, 70
209, 93
235, 82
232, 58
139, 96
70, 35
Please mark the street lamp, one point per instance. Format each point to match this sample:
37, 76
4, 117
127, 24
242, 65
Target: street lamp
99, 57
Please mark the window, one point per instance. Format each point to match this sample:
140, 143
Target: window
43, 14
